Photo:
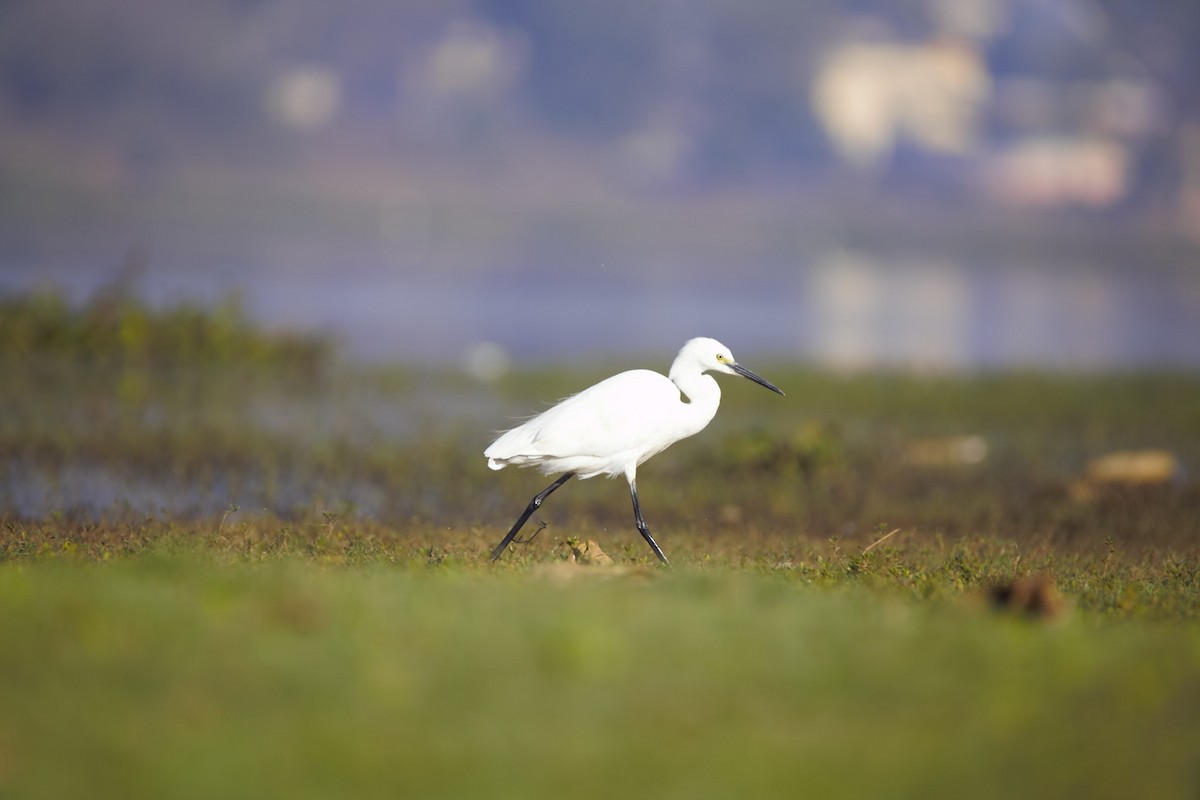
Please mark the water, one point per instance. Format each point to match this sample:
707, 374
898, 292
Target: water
839, 309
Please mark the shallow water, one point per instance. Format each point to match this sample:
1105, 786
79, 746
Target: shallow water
840, 309
93, 491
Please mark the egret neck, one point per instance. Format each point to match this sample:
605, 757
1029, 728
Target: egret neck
703, 395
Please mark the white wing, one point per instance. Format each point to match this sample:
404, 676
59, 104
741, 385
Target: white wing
630, 413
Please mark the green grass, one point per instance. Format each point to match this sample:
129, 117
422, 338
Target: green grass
234, 566
115, 325
188, 672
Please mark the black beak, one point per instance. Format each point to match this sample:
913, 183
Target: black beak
745, 373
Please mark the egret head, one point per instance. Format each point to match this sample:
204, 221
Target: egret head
709, 355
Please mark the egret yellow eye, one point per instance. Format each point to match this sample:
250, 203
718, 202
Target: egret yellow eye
721, 358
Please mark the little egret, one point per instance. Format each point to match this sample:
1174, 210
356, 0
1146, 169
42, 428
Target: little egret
614, 426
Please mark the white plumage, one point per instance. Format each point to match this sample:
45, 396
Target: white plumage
615, 426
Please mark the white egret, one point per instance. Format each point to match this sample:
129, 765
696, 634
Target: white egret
614, 426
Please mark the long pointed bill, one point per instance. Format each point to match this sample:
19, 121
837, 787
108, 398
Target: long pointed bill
745, 373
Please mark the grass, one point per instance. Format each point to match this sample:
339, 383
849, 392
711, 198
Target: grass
188, 671
114, 325
229, 571
1105, 585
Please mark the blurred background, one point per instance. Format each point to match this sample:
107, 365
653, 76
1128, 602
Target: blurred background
930, 184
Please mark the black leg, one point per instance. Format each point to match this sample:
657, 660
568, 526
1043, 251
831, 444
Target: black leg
641, 525
529, 509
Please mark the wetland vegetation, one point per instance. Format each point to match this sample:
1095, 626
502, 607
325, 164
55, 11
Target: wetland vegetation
233, 564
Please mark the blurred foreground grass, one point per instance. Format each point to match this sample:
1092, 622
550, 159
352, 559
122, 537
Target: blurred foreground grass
229, 571
185, 672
